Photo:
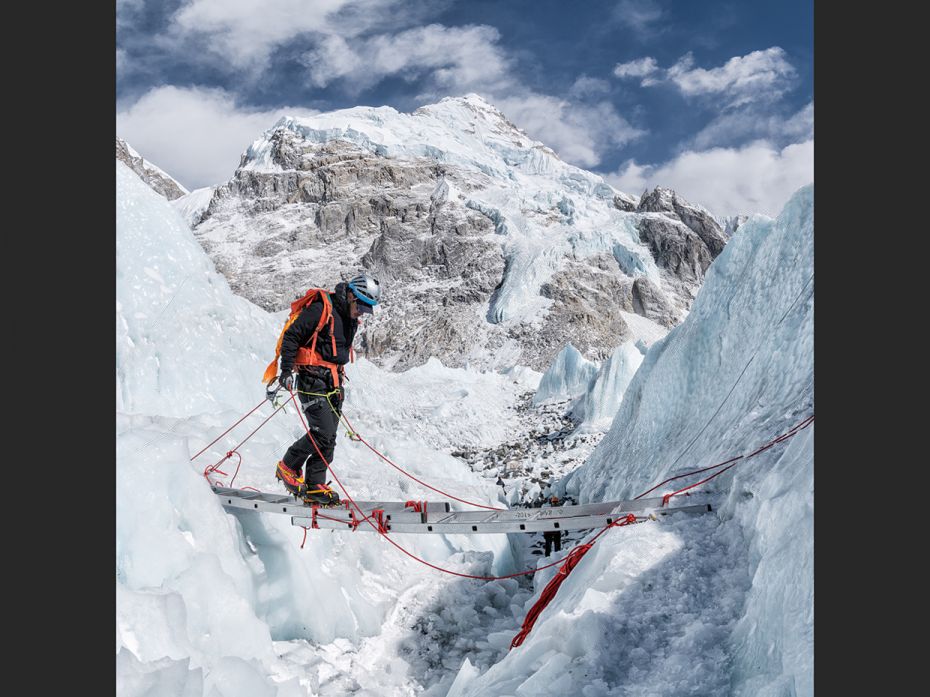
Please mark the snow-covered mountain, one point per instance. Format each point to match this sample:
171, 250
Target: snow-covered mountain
156, 178
454, 207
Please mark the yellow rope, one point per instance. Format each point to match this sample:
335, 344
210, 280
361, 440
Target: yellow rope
350, 434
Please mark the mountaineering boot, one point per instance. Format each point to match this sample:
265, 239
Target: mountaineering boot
321, 495
291, 479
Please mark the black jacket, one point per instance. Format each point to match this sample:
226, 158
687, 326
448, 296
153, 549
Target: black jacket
300, 333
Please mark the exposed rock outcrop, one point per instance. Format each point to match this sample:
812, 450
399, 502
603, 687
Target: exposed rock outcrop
149, 173
684, 240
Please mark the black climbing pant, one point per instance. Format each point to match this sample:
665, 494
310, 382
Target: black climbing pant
553, 537
322, 416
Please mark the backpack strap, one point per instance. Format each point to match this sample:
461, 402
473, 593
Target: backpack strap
296, 307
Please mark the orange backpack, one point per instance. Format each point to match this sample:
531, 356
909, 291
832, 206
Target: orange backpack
305, 355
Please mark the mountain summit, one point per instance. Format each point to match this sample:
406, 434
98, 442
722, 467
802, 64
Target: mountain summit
454, 207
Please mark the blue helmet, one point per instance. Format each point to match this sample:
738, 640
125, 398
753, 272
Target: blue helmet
366, 289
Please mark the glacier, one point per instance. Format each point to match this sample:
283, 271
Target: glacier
695, 606
210, 602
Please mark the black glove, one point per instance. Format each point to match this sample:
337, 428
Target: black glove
286, 380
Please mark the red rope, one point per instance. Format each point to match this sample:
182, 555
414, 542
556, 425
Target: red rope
407, 474
787, 434
573, 557
387, 537
228, 430
215, 468
384, 534
378, 515
354, 523
687, 474
210, 469
576, 554
236, 473
771, 444
552, 587
667, 497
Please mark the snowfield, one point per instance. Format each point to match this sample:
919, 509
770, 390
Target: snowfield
228, 604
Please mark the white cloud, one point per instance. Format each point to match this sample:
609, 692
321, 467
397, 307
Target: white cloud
579, 133
245, 33
750, 124
585, 86
638, 14
460, 59
331, 60
756, 178
638, 68
196, 135
358, 54
757, 75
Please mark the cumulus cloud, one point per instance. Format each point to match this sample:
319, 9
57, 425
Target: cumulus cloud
752, 124
757, 75
245, 33
760, 76
756, 178
458, 60
637, 68
579, 133
462, 58
196, 135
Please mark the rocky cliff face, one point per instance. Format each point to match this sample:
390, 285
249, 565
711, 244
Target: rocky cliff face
492, 251
149, 173
683, 239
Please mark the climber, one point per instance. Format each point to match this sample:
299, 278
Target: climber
317, 341
552, 536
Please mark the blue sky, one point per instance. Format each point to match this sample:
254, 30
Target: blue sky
712, 98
